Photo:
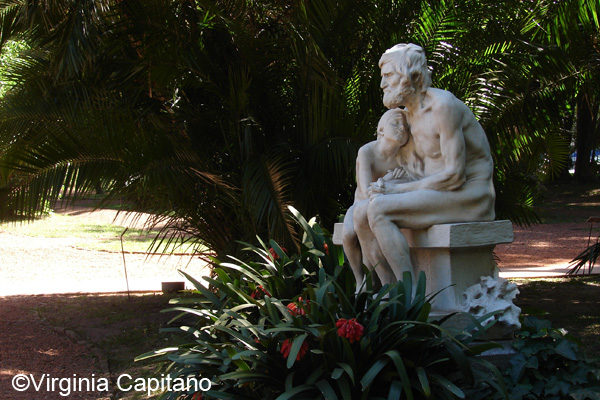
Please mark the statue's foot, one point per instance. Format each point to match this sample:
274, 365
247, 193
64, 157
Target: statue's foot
385, 296
361, 287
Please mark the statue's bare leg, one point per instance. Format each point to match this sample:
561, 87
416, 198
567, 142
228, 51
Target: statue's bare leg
352, 248
422, 209
392, 242
372, 254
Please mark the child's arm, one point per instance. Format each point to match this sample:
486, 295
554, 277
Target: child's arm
364, 172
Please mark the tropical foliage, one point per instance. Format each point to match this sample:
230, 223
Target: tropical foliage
587, 258
217, 115
292, 325
549, 365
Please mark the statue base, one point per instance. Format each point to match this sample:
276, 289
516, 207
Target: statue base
458, 262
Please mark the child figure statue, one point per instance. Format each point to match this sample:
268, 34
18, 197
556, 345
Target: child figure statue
391, 157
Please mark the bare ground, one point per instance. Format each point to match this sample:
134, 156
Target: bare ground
542, 250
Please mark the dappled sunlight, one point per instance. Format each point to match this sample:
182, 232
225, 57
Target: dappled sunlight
11, 372
32, 352
35, 261
541, 244
586, 204
542, 250
49, 352
535, 267
43, 266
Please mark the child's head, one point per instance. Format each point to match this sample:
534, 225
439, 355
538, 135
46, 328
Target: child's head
393, 126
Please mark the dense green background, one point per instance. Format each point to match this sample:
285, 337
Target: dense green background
217, 115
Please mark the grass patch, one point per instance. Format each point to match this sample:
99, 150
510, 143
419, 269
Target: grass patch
133, 244
65, 226
93, 235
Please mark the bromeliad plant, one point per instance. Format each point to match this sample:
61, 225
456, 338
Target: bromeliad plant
292, 326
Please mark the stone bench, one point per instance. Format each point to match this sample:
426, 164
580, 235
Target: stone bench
454, 258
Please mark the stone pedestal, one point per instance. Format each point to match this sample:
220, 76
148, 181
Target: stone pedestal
454, 258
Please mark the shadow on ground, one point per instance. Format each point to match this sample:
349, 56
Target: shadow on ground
569, 303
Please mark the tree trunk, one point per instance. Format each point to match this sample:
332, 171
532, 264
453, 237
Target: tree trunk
585, 139
563, 175
99, 189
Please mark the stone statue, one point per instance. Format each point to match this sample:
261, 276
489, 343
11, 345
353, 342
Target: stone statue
494, 295
441, 172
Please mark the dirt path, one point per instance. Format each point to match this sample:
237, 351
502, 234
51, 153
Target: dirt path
42, 266
55, 265
542, 250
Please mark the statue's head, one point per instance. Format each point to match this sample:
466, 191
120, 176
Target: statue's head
404, 71
393, 126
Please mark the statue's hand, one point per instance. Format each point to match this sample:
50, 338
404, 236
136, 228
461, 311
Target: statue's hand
395, 174
389, 176
377, 188
399, 173
381, 187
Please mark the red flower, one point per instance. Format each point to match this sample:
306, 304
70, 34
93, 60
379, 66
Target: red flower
296, 308
197, 396
274, 254
286, 347
326, 248
349, 329
260, 292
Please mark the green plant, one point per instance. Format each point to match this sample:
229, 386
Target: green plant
292, 326
587, 257
549, 365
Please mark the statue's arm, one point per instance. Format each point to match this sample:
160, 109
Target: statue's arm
364, 174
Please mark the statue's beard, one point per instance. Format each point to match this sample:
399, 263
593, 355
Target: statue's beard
392, 99
396, 98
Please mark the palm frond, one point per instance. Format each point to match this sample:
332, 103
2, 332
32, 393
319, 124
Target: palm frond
267, 192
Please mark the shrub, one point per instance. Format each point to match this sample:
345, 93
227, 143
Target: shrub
549, 365
292, 326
